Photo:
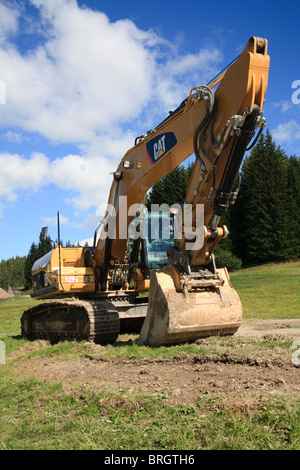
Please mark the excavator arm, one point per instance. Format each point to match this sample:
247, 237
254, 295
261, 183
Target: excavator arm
217, 128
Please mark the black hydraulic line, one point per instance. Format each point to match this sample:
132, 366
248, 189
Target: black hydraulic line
202, 126
171, 114
144, 259
59, 252
216, 143
216, 161
206, 154
104, 268
223, 197
96, 232
256, 138
133, 262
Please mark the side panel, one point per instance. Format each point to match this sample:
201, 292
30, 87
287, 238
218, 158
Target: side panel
62, 273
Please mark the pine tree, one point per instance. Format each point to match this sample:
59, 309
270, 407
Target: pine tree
12, 272
260, 217
3, 275
31, 258
294, 186
172, 188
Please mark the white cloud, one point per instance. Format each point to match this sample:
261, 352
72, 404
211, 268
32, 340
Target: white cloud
89, 177
90, 74
82, 84
287, 132
89, 223
18, 173
53, 220
8, 21
284, 105
13, 136
88, 241
206, 58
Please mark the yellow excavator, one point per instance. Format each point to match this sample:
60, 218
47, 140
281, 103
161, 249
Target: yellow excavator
154, 273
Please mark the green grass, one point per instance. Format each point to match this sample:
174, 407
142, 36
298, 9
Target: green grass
42, 416
10, 313
36, 414
10, 327
270, 291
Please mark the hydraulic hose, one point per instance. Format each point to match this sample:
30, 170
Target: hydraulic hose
203, 124
223, 197
216, 143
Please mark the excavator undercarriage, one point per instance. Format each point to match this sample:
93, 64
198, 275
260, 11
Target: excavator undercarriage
72, 319
160, 282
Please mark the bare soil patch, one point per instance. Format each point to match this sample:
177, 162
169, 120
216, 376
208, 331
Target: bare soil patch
180, 379
286, 329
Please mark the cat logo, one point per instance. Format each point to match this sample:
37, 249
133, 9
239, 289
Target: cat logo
160, 145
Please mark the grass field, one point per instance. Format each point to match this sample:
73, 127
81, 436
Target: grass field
269, 291
51, 414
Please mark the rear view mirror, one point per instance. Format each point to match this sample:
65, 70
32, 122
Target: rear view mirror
43, 234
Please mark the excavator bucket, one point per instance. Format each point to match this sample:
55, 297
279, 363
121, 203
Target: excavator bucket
205, 307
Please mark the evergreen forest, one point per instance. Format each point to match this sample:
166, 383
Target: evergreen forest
264, 222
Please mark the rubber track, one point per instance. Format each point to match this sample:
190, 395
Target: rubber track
96, 321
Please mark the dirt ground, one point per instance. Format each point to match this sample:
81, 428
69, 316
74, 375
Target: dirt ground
287, 329
182, 379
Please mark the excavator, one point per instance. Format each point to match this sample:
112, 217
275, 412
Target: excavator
135, 278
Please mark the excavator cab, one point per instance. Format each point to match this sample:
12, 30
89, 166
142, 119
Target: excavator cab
158, 233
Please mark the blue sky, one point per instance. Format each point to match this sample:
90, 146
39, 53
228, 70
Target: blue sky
83, 79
